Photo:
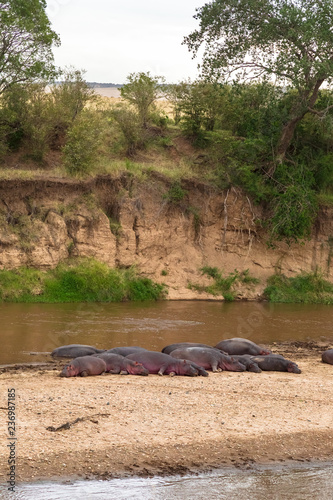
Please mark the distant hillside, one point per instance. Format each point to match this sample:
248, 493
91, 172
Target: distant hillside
97, 84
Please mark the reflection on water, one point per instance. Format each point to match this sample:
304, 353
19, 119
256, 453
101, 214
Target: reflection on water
37, 328
303, 482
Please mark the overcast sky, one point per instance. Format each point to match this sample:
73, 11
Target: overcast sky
112, 38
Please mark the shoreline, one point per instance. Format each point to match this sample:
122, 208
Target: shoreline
120, 426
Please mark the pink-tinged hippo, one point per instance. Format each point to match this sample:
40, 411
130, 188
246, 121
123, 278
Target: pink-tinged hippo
180, 345
327, 356
209, 359
241, 346
75, 351
115, 363
158, 362
275, 363
84, 366
125, 351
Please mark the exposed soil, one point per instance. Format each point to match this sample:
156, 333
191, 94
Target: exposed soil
114, 425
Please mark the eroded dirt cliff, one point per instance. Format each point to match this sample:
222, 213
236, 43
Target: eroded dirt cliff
122, 222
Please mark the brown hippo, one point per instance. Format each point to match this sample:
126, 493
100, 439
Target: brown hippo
210, 359
275, 363
241, 346
158, 362
327, 356
125, 351
75, 351
172, 347
118, 364
84, 366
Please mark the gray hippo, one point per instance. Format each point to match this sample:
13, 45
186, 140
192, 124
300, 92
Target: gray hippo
327, 356
276, 363
125, 351
158, 362
115, 363
250, 364
210, 359
84, 366
75, 351
172, 347
241, 346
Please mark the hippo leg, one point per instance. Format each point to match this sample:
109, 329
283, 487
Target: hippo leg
123, 372
172, 374
84, 374
162, 369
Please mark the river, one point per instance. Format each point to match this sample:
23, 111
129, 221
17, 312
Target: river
30, 331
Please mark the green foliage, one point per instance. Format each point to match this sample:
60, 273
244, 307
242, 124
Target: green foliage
291, 40
85, 280
129, 124
175, 194
83, 141
26, 43
294, 206
308, 288
224, 285
142, 90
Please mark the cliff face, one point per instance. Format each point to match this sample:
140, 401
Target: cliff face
123, 222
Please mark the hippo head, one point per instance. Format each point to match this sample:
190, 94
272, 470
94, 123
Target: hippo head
232, 365
185, 368
69, 371
264, 352
136, 368
293, 368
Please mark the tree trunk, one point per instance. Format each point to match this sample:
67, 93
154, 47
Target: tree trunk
286, 137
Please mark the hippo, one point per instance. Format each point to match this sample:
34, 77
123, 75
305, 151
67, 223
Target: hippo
115, 363
172, 347
75, 351
84, 366
125, 351
210, 359
250, 364
241, 346
327, 356
276, 363
158, 362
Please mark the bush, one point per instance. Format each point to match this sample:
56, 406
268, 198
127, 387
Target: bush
82, 143
82, 280
308, 288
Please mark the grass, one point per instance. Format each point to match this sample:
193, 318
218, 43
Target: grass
78, 280
224, 285
307, 288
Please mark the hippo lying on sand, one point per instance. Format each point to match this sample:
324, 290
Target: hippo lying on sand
241, 346
84, 366
158, 362
247, 361
327, 356
275, 363
172, 347
125, 351
75, 350
118, 364
210, 359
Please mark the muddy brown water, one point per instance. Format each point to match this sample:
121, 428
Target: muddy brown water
30, 331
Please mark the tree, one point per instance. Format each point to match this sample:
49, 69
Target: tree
26, 39
142, 90
290, 40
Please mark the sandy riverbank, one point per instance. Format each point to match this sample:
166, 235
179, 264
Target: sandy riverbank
148, 425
